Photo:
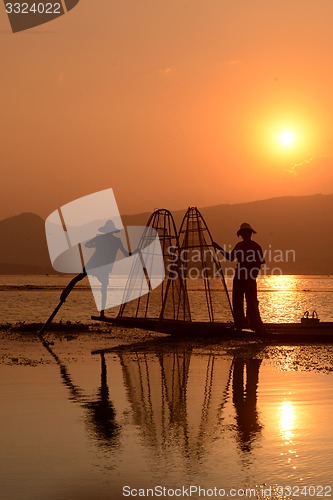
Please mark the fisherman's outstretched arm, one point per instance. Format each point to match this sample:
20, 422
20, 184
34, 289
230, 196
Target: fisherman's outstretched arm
228, 255
125, 252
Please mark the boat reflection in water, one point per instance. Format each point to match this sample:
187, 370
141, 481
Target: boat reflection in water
176, 414
176, 401
179, 401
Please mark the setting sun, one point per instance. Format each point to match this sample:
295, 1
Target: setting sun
287, 138
281, 139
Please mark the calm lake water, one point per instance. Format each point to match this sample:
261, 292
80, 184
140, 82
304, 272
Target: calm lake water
228, 417
282, 298
238, 420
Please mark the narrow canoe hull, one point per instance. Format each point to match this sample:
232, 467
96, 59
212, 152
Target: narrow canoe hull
293, 332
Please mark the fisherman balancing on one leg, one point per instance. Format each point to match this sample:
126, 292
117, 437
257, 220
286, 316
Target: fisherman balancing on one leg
106, 247
249, 257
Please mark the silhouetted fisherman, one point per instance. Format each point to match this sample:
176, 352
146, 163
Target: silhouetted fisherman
106, 248
249, 257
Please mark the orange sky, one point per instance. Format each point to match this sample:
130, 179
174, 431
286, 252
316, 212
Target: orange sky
170, 103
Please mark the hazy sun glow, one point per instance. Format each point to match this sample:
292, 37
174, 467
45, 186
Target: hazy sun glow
284, 138
287, 138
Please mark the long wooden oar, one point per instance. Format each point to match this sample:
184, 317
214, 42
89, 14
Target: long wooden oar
63, 297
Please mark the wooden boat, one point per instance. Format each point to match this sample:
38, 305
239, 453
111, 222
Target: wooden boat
277, 332
168, 308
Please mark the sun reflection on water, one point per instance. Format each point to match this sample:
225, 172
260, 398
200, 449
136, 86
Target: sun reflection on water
287, 421
281, 282
287, 427
285, 298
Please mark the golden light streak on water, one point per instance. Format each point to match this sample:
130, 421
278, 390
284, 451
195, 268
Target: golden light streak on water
287, 421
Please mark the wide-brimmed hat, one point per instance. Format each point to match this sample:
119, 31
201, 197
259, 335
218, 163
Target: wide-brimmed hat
247, 227
108, 227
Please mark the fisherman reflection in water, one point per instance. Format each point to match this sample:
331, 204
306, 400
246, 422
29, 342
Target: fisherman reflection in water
101, 413
100, 264
249, 257
244, 398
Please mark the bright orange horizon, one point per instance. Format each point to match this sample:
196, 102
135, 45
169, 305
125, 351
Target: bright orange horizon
169, 104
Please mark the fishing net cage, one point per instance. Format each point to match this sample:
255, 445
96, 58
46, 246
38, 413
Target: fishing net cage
194, 287
202, 271
168, 300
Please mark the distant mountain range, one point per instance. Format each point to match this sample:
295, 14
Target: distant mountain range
23, 248
295, 232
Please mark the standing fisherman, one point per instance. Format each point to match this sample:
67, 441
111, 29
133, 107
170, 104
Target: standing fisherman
249, 257
100, 264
